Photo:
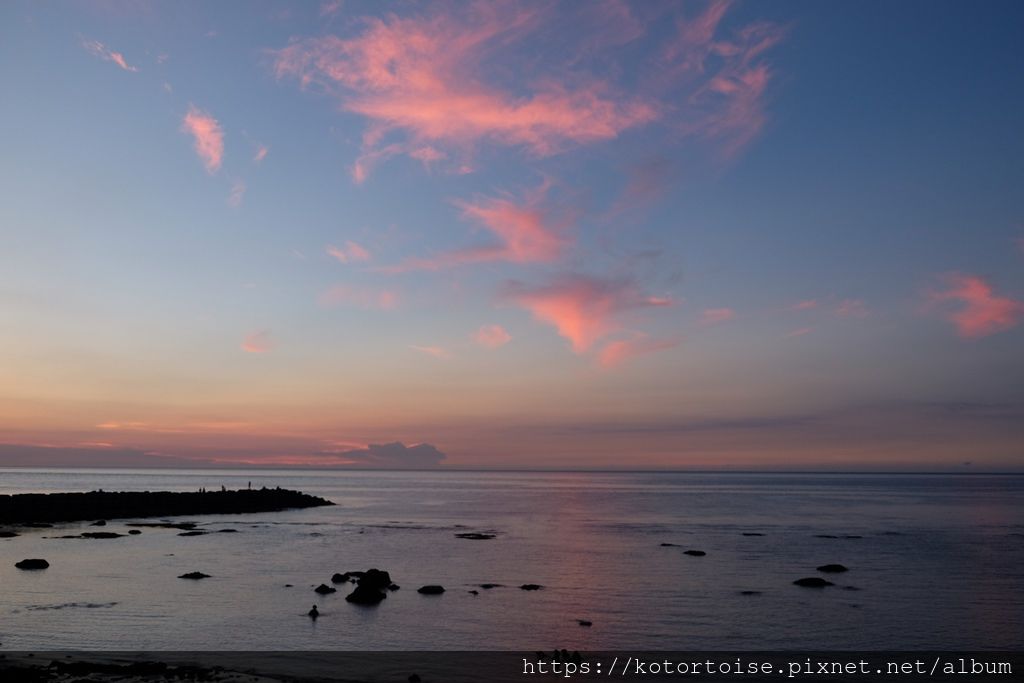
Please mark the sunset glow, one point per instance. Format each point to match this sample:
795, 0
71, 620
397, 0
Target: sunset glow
622, 235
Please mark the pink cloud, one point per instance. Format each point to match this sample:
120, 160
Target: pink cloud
359, 297
492, 336
349, 253
805, 305
421, 76
723, 79
980, 312
714, 316
330, 8
799, 332
261, 154
525, 232
257, 342
582, 309
435, 351
209, 138
237, 194
851, 308
615, 353
100, 50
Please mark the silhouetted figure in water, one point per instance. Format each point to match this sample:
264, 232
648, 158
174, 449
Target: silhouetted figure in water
250, 486
313, 613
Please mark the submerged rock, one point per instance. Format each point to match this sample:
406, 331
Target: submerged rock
832, 569
34, 563
489, 586
101, 534
694, 553
99, 522
474, 536
227, 531
192, 533
812, 582
431, 589
9, 534
669, 545
584, 622
750, 592
134, 532
194, 575
752, 533
531, 587
324, 589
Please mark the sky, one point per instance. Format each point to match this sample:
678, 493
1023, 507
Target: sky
600, 235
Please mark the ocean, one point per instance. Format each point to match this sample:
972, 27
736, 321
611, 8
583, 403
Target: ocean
935, 562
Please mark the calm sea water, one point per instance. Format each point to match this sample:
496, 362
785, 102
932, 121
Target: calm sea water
939, 563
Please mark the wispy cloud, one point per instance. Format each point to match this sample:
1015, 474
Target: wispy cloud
713, 316
261, 153
805, 305
359, 297
209, 138
525, 230
851, 308
435, 351
799, 332
257, 342
583, 309
978, 311
237, 194
349, 253
100, 50
616, 352
492, 336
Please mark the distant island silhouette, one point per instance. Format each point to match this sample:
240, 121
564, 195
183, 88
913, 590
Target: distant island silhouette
69, 507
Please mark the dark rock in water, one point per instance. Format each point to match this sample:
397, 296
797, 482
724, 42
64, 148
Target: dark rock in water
194, 575
378, 579
832, 569
192, 533
184, 526
852, 536
430, 590
134, 532
288, 585
364, 595
34, 563
324, 589
101, 534
752, 533
414, 678
584, 622
489, 586
340, 578
825, 536
750, 592
812, 582
473, 592
473, 536
70, 507
531, 587
850, 588
227, 531
669, 545
99, 522
694, 553
394, 587
9, 534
